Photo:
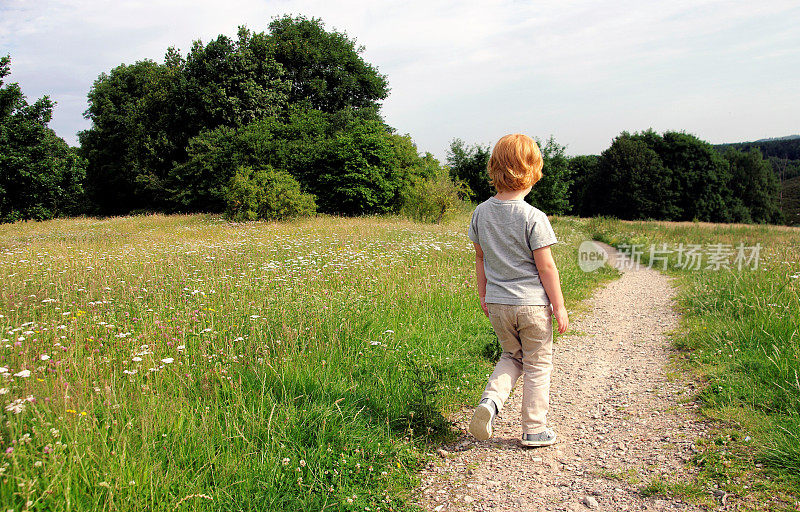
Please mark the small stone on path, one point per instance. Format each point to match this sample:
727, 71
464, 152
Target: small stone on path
590, 502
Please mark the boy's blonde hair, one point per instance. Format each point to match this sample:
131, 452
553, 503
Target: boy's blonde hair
516, 163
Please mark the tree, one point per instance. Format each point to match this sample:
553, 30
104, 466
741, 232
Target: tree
40, 175
699, 175
551, 193
325, 68
143, 115
583, 170
129, 137
753, 183
468, 165
631, 182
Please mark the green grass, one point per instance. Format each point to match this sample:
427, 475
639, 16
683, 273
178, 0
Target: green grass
689, 491
185, 363
740, 337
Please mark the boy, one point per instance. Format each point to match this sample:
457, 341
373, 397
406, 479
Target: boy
519, 289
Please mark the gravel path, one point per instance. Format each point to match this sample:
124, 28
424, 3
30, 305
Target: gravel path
621, 422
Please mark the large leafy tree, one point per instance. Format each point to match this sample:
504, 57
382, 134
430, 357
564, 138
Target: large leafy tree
324, 68
143, 115
130, 141
754, 185
631, 182
699, 175
40, 175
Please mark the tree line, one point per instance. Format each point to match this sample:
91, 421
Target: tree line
645, 175
287, 121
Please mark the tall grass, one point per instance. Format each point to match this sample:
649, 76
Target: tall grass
184, 363
741, 333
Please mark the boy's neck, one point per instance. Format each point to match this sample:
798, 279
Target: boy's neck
510, 195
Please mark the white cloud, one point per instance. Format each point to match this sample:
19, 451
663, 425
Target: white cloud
581, 70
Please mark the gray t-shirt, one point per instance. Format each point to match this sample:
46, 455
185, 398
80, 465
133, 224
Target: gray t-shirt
508, 231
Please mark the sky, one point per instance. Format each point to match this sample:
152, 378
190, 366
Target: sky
580, 71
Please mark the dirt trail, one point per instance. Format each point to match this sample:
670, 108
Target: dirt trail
621, 422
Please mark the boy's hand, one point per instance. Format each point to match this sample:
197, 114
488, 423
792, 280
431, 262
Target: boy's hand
483, 306
562, 319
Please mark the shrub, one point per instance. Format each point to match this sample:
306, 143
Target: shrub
433, 199
266, 194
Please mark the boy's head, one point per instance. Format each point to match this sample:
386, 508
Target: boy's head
516, 163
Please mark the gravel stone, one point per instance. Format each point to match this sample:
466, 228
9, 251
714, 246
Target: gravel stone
590, 502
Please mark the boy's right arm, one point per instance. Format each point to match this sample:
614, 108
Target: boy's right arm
548, 273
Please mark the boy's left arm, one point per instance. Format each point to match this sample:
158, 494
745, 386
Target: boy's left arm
548, 273
480, 274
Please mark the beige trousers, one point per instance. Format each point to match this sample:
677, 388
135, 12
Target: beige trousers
526, 335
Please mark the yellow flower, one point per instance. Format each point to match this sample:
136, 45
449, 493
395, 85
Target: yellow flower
73, 411
83, 413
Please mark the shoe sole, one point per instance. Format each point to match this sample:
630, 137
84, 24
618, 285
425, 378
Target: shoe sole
534, 444
481, 424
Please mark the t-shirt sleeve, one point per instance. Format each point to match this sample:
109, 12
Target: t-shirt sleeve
540, 232
472, 232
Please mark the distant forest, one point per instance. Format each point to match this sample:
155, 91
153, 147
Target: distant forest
783, 154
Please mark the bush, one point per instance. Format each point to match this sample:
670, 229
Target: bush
433, 199
266, 194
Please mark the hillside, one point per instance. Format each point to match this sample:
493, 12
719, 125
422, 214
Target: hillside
783, 147
787, 137
782, 152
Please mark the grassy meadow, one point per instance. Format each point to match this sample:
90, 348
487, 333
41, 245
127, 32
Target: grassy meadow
740, 337
186, 363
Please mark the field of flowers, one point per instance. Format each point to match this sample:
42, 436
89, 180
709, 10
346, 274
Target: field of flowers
185, 363
740, 336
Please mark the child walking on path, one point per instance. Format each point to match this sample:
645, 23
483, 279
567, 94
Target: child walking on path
519, 289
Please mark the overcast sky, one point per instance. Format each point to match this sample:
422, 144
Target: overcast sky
581, 71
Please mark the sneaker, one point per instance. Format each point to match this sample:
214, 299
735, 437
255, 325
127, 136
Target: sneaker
544, 438
481, 424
